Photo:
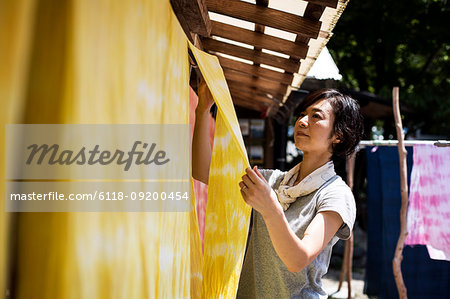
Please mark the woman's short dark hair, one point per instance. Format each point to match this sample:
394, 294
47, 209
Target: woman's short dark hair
348, 124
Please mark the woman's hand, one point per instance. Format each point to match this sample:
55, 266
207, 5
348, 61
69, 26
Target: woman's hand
257, 193
205, 99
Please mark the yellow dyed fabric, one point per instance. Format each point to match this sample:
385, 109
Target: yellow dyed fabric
96, 62
14, 51
116, 62
227, 215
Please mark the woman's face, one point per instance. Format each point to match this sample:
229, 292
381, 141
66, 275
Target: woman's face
313, 128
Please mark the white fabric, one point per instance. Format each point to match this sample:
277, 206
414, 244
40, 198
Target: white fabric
288, 192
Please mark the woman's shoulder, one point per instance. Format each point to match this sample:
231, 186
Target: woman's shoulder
337, 185
338, 197
336, 192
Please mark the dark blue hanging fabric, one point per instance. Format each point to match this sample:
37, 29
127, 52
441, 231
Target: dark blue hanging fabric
373, 201
424, 277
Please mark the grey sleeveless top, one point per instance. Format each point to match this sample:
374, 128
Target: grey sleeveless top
264, 275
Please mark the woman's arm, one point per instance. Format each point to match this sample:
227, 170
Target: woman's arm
298, 253
295, 253
201, 148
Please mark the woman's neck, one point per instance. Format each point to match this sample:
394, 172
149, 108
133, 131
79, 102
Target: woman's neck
311, 163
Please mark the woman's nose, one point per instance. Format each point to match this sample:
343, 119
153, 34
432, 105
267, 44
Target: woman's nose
303, 121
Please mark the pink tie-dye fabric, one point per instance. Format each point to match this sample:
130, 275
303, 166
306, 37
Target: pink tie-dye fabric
429, 201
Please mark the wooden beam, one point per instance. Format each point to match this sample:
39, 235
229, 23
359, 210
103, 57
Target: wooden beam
193, 16
258, 82
198, 42
249, 54
284, 78
313, 11
265, 16
327, 3
260, 40
258, 27
264, 3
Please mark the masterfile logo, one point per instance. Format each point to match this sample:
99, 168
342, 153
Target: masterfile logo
97, 151
53, 155
98, 168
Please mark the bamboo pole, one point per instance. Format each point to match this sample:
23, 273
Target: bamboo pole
396, 262
437, 143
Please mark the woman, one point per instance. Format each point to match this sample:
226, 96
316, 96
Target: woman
297, 215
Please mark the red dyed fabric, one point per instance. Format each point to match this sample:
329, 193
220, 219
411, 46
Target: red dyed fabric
200, 189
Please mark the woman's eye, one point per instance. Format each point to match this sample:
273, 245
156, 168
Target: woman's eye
316, 115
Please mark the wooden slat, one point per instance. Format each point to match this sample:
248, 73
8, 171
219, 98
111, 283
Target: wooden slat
255, 81
261, 89
285, 78
265, 16
246, 103
236, 85
290, 66
250, 91
261, 40
193, 16
327, 3
254, 106
254, 97
247, 89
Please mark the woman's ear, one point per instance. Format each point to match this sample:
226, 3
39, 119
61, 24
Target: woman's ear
336, 138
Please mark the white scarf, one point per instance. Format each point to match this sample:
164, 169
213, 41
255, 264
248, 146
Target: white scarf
288, 193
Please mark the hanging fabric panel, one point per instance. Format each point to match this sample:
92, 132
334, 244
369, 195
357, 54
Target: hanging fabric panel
102, 62
429, 201
97, 62
227, 215
16, 24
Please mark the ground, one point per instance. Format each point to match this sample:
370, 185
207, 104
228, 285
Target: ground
330, 281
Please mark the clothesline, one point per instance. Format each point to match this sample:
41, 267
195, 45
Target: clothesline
438, 143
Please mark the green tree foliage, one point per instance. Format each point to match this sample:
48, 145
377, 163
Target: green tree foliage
406, 43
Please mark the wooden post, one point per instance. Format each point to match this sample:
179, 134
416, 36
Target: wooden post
347, 262
349, 242
350, 265
343, 267
396, 262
